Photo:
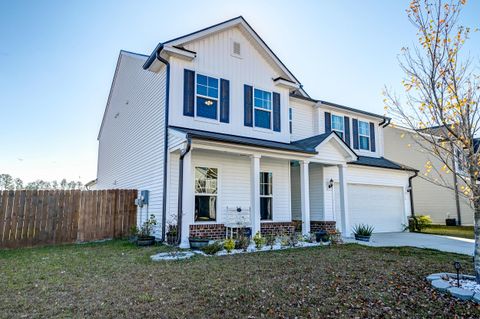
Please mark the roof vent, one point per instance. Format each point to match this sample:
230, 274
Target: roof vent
236, 49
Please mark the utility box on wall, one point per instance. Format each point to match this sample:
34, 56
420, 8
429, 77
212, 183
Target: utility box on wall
144, 195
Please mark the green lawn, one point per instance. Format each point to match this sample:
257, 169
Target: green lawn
455, 231
116, 279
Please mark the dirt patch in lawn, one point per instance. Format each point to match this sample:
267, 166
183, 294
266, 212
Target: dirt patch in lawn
117, 279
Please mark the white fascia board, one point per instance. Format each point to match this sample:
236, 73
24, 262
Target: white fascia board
182, 54
286, 84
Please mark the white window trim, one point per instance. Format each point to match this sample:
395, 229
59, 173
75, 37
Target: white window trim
207, 119
263, 129
343, 124
363, 135
195, 193
267, 196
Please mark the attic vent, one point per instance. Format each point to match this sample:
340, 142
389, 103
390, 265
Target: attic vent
236, 49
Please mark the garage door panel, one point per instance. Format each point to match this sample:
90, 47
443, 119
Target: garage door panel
379, 206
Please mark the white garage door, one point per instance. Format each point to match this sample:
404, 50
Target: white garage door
379, 206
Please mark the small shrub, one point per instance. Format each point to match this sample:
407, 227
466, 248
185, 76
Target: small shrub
213, 248
423, 221
293, 239
336, 237
242, 243
229, 245
259, 240
363, 230
270, 240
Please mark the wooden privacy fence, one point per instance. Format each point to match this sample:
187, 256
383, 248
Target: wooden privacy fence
44, 217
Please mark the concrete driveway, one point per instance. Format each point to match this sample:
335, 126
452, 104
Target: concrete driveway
442, 243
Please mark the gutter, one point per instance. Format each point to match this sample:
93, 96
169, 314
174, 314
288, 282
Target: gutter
410, 190
387, 121
156, 56
180, 187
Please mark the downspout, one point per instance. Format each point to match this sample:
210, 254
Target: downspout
147, 64
387, 122
410, 190
180, 188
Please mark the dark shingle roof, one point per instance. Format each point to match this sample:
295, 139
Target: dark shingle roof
311, 143
381, 162
211, 136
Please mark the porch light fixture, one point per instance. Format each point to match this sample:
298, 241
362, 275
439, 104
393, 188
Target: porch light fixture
458, 267
330, 183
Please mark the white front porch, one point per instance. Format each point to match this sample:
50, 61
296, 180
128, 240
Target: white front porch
298, 187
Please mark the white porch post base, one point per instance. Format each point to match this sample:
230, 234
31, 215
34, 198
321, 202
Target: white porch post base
255, 193
345, 227
305, 197
187, 200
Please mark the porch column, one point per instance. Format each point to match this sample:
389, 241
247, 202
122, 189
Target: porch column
255, 193
345, 227
305, 197
187, 200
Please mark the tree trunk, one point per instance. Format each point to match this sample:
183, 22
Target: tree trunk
476, 258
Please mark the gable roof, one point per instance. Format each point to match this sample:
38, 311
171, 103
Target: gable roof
234, 22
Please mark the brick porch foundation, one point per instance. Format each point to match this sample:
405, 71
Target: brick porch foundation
217, 231
210, 231
329, 226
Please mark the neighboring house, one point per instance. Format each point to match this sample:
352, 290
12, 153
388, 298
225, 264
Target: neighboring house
429, 198
214, 125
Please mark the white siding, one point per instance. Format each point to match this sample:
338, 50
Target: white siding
316, 191
130, 152
303, 120
296, 200
234, 182
365, 176
378, 130
214, 59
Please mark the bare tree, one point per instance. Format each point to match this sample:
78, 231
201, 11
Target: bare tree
441, 100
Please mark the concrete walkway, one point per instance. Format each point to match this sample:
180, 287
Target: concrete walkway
442, 243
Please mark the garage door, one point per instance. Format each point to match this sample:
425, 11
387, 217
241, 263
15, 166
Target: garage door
379, 206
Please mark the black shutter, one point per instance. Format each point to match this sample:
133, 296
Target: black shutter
355, 133
346, 136
188, 92
372, 137
276, 112
328, 122
248, 105
224, 101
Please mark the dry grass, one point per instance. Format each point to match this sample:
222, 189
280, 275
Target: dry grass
117, 279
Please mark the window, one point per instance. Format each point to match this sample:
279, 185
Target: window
207, 96
364, 135
262, 103
290, 118
206, 190
337, 124
266, 196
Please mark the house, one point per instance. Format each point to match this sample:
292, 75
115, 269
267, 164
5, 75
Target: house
429, 198
215, 126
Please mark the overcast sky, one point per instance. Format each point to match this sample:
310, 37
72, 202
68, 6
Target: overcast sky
57, 60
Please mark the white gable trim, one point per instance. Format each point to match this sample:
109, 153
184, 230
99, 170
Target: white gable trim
236, 22
339, 144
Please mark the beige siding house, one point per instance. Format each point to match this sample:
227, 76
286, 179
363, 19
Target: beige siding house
428, 199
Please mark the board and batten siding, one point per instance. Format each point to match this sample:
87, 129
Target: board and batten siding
234, 182
131, 141
428, 198
214, 59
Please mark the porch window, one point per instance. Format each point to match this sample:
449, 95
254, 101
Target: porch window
262, 103
206, 191
207, 97
266, 196
364, 135
337, 124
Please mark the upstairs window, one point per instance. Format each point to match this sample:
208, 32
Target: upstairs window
207, 97
338, 125
364, 135
266, 196
290, 118
206, 191
262, 105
